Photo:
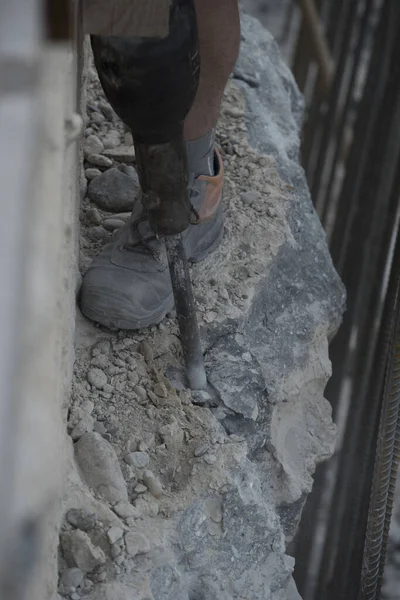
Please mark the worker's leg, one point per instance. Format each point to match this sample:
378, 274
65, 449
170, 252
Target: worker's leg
128, 284
219, 40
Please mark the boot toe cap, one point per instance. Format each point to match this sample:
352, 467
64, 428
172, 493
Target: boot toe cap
119, 298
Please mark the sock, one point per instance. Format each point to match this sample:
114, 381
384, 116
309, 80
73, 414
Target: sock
200, 154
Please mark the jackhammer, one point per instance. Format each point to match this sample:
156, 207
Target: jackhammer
151, 84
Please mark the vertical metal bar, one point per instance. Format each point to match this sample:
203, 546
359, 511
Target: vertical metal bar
334, 104
363, 140
367, 270
316, 35
312, 131
386, 461
346, 109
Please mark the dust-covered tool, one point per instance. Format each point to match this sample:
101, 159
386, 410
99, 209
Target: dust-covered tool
151, 83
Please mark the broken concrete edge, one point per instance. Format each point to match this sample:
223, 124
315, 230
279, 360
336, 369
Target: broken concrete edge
44, 363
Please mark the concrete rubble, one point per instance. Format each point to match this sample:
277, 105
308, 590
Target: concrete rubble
174, 495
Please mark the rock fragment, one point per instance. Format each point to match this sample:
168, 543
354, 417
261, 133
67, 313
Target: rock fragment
172, 436
111, 140
125, 154
123, 216
97, 118
71, 577
136, 543
98, 427
160, 390
97, 234
80, 552
200, 397
107, 110
98, 160
146, 442
100, 467
201, 450
85, 424
114, 534
126, 510
250, 197
133, 378
97, 377
147, 351
147, 505
128, 139
115, 590
93, 214
114, 191
141, 392
81, 519
92, 145
140, 460
112, 224
91, 174
152, 483
140, 488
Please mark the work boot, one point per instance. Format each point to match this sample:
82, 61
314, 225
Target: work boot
128, 286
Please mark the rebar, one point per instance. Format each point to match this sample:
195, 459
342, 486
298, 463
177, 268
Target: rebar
387, 456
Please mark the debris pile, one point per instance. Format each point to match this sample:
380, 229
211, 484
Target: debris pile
180, 495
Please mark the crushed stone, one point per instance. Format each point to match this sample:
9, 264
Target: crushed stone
148, 444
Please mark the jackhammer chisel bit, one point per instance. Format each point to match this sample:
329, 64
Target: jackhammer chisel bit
151, 84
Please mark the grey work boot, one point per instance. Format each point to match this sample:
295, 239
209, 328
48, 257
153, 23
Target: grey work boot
128, 286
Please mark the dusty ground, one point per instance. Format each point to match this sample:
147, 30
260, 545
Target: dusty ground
147, 462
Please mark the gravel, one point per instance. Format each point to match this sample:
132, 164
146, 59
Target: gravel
97, 377
92, 145
97, 234
111, 140
98, 160
71, 577
176, 507
201, 450
152, 483
111, 224
124, 154
140, 460
114, 191
125, 510
100, 467
250, 197
91, 173
114, 534
81, 519
79, 551
136, 543
93, 214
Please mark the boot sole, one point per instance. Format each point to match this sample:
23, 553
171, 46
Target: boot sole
153, 319
214, 234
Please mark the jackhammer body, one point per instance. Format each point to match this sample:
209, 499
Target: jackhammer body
151, 84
